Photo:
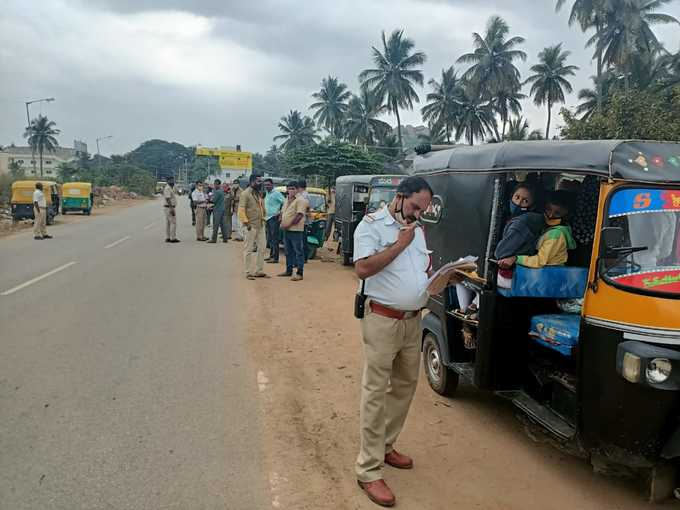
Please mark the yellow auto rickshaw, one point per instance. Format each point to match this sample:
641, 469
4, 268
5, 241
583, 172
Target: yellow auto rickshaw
21, 202
318, 213
77, 196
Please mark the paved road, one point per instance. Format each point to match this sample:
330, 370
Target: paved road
124, 377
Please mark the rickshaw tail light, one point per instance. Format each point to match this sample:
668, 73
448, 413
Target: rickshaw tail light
631, 367
658, 370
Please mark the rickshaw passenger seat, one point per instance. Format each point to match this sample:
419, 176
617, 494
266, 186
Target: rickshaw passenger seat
559, 332
558, 282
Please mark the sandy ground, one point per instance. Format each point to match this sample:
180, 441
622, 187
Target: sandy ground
471, 452
7, 228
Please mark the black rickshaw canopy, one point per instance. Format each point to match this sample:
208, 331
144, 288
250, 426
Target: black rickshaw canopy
629, 160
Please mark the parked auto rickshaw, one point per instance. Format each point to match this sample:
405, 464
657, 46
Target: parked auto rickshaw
602, 374
21, 202
318, 214
77, 196
351, 198
381, 191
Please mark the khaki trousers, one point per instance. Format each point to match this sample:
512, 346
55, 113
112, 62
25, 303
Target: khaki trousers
253, 253
391, 364
39, 222
170, 224
200, 222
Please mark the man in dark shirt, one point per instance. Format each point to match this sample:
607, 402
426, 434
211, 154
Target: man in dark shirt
219, 213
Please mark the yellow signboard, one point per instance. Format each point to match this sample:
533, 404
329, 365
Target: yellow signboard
237, 160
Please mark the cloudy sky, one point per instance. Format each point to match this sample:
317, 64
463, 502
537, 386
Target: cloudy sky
222, 72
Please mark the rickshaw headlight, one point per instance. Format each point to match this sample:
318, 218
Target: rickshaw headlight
658, 370
631, 367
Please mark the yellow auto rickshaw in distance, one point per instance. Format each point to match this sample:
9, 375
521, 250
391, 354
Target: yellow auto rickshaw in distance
318, 213
21, 202
77, 196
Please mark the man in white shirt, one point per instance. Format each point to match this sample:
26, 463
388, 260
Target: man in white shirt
39, 213
200, 203
393, 261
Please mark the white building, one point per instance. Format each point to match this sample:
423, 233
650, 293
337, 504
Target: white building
31, 162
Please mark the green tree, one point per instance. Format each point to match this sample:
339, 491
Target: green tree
41, 137
362, 125
507, 102
296, 131
518, 129
331, 105
492, 61
476, 118
16, 170
437, 134
442, 106
549, 81
395, 74
331, 160
161, 157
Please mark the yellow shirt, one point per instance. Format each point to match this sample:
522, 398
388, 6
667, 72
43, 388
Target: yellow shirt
290, 209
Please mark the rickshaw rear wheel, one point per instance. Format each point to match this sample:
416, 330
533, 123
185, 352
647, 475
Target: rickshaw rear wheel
442, 379
662, 482
311, 252
87, 212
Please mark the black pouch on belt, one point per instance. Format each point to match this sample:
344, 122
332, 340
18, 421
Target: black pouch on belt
360, 302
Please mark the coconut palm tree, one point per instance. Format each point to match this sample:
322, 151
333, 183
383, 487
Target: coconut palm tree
492, 60
296, 131
442, 106
627, 32
395, 74
518, 129
536, 135
41, 137
549, 82
476, 118
331, 105
506, 102
362, 125
438, 134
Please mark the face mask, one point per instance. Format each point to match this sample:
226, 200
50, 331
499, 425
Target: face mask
399, 213
516, 210
552, 222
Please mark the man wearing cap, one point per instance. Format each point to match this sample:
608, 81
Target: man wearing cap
393, 262
169, 205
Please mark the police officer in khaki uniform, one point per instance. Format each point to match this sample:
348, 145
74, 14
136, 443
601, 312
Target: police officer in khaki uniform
393, 261
170, 206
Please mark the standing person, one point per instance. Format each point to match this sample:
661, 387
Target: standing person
331, 212
191, 202
207, 189
39, 213
235, 222
308, 217
393, 261
200, 202
227, 208
219, 213
293, 225
170, 204
251, 216
273, 201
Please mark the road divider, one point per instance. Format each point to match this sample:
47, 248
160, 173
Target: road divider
37, 279
116, 243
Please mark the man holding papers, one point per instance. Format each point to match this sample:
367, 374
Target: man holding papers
392, 260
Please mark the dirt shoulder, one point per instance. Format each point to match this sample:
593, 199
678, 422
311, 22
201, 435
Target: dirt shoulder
470, 452
7, 228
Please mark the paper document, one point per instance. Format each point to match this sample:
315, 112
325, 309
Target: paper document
441, 278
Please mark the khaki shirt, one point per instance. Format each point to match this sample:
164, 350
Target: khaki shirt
251, 208
169, 192
235, 195
290, 209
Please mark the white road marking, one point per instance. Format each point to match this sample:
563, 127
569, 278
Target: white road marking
149, 225
37, 279
115, 243
262, 380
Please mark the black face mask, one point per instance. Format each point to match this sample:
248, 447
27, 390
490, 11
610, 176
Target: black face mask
399, 212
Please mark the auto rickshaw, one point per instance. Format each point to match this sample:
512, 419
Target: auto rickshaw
590, 351
351, 198
21, 202
381, 191
77, 196
318, 213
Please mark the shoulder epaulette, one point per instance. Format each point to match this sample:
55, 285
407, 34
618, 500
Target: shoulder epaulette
370, 218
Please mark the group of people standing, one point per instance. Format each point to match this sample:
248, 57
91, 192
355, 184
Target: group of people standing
218, 202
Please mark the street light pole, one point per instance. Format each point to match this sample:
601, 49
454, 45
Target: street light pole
28, 120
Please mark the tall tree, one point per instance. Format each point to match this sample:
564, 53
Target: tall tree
442, 103
296, 131
41, 137
331, 105
476, 118
518, 129
362, 125
395, 74
627, 32
506, 102
492, 61
549, 79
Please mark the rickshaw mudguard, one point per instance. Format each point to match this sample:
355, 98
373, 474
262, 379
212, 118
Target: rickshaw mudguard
433, 324
671, 449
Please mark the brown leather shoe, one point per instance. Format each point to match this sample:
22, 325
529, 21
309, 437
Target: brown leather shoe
378, 492
398, 460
